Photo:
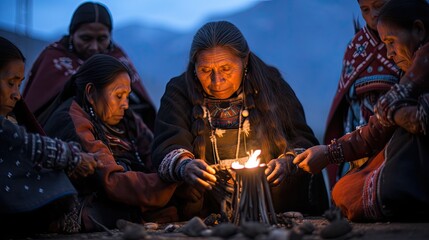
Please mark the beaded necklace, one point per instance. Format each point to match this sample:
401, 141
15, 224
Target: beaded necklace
242, 127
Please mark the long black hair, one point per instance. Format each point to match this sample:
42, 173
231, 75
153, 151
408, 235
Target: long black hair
402, 13
99, 70
9, 52
263, 85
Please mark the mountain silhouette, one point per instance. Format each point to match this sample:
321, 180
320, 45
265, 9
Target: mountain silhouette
304, 39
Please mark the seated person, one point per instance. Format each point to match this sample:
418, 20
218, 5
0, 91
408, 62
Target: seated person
366, 74
36, 195
90, 32
393, 185
93, 111
227, 103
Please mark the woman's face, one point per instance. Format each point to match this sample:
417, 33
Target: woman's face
91, 38
219, 71
11, 77
370, 10
400, 43
111, 103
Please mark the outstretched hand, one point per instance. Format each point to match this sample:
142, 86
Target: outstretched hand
312, 160
277, 169
199, 174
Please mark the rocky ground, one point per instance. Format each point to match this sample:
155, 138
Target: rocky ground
295, 228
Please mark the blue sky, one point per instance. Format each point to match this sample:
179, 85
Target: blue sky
51, 17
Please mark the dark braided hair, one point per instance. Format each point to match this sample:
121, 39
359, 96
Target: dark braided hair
262, 86
99, 70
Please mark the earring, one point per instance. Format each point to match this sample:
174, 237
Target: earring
245, 72
70, 44
91, 112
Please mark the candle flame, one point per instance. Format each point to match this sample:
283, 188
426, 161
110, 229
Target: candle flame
252, 162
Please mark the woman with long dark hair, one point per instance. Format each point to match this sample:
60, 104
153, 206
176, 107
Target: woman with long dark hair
90, 32
93, 110
394, 184
37, 195
227, 103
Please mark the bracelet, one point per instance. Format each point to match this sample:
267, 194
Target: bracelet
335, 152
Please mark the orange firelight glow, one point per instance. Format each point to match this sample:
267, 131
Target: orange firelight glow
252, 162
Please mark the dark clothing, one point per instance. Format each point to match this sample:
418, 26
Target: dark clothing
54, 67
20, 177
394, 183
33, 198
124, 185
173, 135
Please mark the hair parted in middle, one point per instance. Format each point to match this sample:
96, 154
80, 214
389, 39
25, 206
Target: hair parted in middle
262, 85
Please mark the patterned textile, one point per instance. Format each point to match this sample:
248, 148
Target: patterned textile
56, 64
131, 152
393, 183
370, 191
224, 114
23, 186
174, 130
116, 191
366, 75
167, 167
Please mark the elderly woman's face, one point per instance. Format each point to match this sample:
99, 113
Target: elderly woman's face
111, 103
219, 71
400, 43
11, 77
91, 38
370, 10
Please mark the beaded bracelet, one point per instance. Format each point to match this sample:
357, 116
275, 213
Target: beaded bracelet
335, 152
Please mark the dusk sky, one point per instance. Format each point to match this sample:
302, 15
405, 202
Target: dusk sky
51, 17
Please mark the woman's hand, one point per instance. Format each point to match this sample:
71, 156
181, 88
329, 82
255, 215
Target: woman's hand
313, 160
199, 174
86, 167
277, 169
406, 118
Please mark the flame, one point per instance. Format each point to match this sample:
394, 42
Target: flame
252, 162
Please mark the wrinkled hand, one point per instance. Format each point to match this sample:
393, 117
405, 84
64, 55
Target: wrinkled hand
277, 169
312, 160
200, 175
406, 118
398, 96
86, 167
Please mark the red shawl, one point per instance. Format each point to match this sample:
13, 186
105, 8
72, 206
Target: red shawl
56, 64
365, 58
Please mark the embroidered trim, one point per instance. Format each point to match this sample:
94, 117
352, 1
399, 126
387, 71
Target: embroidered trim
166, 169
370, 203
